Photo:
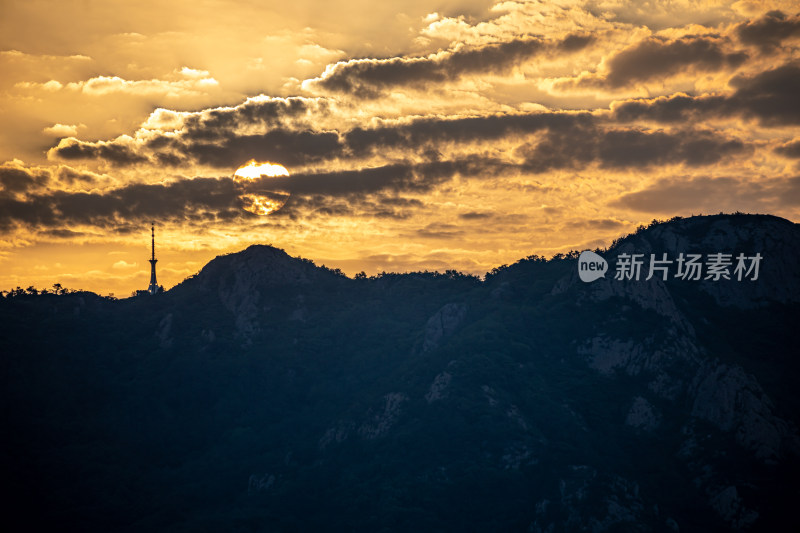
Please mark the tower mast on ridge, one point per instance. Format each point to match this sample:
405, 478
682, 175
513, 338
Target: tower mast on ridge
153, 288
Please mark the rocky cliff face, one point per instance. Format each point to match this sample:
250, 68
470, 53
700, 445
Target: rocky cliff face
244, 282
442, 324
776, 239
694, 377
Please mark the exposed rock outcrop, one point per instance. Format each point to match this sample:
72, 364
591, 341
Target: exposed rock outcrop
734, 401
643, 415
381, 422
442, 324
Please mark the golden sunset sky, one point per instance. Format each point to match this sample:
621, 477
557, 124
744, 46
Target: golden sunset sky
416, 135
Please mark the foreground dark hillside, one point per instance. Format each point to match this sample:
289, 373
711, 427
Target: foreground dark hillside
268, 394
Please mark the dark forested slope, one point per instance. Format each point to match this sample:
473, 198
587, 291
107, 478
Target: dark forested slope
268, 394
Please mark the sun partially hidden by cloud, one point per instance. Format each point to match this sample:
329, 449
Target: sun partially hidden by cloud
266, 200
253, 170
260, 204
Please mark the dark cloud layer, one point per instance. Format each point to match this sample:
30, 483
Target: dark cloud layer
431, 131
17, 180
769, 97
474, 215
656, 58
560, 141
550, 141
192, 199
628, 148
114, 153
71, 176
375, 191
215, 137
375, 205
367, 78
769, 31
790, 149
393, 178
284, 146
672, 109
208, 199
224, 148
212, 137
255, 112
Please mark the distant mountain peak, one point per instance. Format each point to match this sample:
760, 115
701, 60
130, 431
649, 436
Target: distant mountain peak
258, 265
776, 239
242, 280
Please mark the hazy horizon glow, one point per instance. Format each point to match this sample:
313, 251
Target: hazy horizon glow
381, 137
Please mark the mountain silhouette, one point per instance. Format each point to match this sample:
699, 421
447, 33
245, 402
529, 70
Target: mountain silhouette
266, 393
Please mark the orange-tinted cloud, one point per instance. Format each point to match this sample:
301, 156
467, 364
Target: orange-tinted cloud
464, 138
768, 97
705, 195
368, 78
769, 31
658, 58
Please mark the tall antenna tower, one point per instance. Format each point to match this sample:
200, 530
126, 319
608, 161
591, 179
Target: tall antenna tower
153, 288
